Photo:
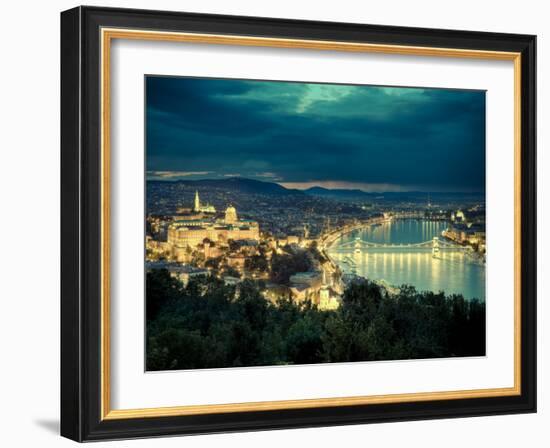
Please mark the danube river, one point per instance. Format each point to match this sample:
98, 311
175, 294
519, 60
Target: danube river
450, 271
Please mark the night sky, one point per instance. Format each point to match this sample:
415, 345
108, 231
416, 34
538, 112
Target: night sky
301, 135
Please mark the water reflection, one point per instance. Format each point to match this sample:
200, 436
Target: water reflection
452, 272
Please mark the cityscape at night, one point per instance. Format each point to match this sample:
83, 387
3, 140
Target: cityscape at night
298, 223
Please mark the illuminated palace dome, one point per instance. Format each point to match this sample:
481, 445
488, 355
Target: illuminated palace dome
191, 232
230, 215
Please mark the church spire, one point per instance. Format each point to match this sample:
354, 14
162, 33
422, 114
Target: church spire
197, 205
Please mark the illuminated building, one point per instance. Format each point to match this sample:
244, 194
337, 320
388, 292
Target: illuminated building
183, 273
328, 300
199, 208
190, 231
230, 215
306, 286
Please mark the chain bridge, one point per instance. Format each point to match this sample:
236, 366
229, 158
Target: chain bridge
434, 245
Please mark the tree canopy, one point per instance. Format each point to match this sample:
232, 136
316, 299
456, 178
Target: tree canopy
209, 324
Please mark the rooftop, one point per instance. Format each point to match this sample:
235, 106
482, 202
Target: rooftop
173, 267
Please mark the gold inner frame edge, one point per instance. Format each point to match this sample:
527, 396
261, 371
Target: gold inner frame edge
107, 35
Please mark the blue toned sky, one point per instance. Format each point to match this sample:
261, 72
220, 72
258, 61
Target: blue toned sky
301, 135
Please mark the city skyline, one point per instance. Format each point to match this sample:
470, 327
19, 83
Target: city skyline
244, 273
300, 135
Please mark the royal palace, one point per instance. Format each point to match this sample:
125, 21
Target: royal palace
190, 230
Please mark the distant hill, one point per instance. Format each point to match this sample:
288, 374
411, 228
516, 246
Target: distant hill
252, 186
337, 193
389, 195
239, 184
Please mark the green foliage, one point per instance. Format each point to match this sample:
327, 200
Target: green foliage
256, 263
209, 324
231, 271
233, 245
213, 263
161, 291
283, 266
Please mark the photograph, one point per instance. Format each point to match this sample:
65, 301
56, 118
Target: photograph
284, 221
291, 223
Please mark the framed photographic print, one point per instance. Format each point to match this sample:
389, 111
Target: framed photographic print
276, 224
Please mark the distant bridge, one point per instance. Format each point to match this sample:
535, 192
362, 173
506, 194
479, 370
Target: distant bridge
328, 239
435, 245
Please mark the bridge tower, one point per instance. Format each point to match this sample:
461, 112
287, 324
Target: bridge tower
435, 246
357, 246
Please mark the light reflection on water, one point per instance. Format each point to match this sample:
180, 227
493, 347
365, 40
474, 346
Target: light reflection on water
452, 272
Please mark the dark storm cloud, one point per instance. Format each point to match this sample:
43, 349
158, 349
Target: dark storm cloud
317, 133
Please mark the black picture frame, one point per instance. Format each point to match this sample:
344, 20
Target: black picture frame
81, 224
